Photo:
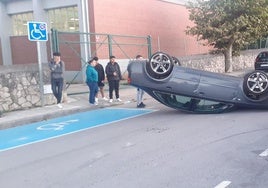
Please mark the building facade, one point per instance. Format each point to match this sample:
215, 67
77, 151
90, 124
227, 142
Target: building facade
165, 21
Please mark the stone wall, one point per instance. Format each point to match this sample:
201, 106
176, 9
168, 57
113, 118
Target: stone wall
215, 63
20, 87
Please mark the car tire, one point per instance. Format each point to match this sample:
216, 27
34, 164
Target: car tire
159, 66
256, 85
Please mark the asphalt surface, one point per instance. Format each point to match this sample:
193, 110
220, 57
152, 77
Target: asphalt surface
77, 101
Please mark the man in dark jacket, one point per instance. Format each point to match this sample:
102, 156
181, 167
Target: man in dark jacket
101, 77
114, 76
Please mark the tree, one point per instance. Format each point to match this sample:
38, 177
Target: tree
228, 25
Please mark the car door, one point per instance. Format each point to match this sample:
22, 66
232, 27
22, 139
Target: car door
184, 81
217, 86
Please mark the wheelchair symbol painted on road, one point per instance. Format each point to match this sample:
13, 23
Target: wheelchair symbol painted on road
37, 31
56, 126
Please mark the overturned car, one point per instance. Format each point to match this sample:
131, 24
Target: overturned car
197, 91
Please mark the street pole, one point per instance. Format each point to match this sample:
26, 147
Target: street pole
40, 73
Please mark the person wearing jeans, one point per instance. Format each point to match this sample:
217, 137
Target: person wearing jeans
140, 92
57, 69
92, 81
57, 87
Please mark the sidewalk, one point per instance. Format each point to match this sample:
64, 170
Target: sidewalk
77, 101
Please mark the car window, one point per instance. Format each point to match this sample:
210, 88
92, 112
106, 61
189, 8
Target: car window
192, 104
263, 56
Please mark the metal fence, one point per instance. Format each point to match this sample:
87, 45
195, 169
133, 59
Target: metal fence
80, 47
259, 44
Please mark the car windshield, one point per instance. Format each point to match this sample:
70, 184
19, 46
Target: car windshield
262, 57
192, 104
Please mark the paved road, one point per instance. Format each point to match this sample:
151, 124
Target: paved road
162, 149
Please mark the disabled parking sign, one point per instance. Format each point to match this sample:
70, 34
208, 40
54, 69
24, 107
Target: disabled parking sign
37, 31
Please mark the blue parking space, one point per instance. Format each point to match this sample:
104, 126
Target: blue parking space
36, 132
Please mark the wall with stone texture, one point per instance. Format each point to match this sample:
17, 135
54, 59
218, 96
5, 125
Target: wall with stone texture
20, 89
215, 63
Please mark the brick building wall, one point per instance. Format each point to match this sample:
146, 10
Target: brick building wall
165, 22
23, 51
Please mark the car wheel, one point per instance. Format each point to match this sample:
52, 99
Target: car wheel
176, 61
160, 65
256, 84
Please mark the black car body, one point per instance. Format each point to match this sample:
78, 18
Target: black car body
261, 61
195, 90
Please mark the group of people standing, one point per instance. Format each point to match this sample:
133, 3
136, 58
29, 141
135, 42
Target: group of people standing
95, 78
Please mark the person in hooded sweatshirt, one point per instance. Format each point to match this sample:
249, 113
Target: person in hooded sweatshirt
92, 81
114, 76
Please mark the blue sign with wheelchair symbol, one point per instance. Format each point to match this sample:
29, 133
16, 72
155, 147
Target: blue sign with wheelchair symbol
37, 31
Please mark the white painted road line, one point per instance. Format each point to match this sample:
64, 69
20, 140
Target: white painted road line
264, 154
223, 184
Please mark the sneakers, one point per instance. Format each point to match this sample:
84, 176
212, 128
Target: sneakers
119, 100
93, 104
105, 99
96, 101
59, 105
141, 105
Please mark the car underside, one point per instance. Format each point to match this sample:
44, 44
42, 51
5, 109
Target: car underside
194, 90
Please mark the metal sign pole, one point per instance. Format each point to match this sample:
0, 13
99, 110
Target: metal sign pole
37, 31
40, 73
